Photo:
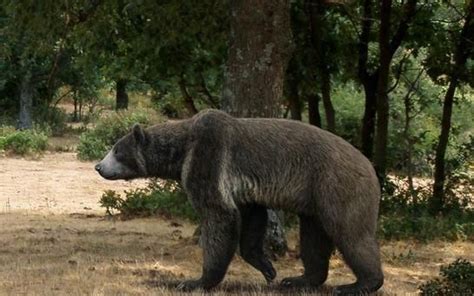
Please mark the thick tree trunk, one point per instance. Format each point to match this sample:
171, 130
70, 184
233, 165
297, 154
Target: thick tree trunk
385, 60
26, 89
121, 96
260, 45
313, 110
463, 50
258, 55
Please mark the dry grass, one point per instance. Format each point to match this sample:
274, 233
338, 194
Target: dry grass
79, 254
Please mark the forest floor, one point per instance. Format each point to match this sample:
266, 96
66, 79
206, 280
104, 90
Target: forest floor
56, 240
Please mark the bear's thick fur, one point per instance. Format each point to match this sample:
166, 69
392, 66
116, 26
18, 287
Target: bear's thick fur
233, 169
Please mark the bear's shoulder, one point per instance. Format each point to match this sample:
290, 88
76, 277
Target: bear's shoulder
212, 119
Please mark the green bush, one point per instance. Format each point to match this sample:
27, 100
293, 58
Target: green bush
424, 227
22, 142
404, 213
456, 278
52, 119
159, 198
95, 143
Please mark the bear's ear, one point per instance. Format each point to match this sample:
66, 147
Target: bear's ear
139, 134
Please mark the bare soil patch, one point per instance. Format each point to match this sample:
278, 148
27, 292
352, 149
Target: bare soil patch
55, 240
54, 183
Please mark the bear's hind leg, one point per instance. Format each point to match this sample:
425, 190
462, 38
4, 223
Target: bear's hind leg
363, 257
252, 233
220, 237
316, 248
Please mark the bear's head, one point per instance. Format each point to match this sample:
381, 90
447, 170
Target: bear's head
126, 158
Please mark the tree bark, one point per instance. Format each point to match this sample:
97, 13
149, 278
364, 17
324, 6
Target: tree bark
294, 102
385, 60
409, 145
368, 81
121, 96
462, 51
259, 50
313, 110
295, 106
328, 107
368, 120
260, 45
437, 200
26, 103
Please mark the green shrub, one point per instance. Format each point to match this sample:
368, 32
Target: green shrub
52, 119
404, 213
159, 198
424, 227
95, 143
456, 278
22, 142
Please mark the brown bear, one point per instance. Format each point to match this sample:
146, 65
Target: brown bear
233, 169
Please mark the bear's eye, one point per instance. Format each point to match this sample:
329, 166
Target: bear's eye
115, 151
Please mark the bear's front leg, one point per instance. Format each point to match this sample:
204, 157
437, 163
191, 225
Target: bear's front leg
220, 237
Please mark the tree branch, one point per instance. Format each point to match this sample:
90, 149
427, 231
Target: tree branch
399, 72
187, 98
410, 11
211, 100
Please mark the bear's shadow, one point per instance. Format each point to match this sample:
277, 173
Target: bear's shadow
234, 287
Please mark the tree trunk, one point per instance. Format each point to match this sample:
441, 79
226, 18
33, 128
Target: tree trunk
26, 103
409, 146
313, 110
385, 60
316, 10
260, 45
462, 52
437, 201
368, 121
258, 55
121, 96
75, 117
294, 100
328, 107
295, 107
370, 80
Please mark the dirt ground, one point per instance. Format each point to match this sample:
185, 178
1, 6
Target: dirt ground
56, 240
55, 183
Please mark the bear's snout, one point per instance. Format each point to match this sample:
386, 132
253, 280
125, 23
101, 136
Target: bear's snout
98, 167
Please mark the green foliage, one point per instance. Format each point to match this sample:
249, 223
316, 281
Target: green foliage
96, 142
456, 278
22, 142
425, 227
158, 198
51, 119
